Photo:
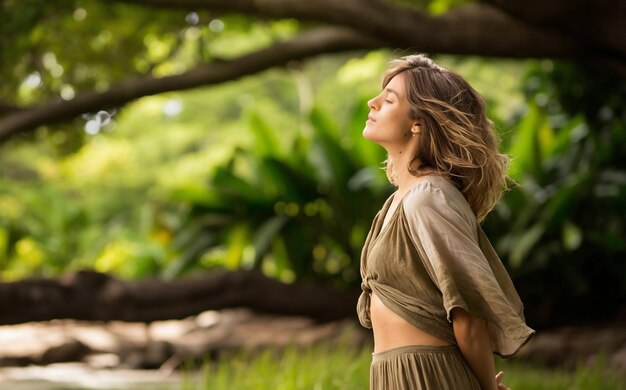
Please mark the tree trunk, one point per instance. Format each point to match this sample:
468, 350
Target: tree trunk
93, 296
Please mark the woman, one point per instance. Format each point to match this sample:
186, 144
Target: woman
435, 293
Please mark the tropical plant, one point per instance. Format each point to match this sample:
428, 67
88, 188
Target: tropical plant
296, 210
566, 222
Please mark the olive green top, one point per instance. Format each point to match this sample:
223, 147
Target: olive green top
433, 256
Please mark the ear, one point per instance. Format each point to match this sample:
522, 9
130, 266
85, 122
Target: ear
416, 128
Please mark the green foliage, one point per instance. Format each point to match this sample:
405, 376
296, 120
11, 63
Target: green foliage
248, 174
48, 212
567, 219
439, 7
342, 367
119, 180
297, 210
519, 375
56, 50
93, 33
317, 367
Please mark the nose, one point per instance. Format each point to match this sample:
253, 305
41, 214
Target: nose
372, 103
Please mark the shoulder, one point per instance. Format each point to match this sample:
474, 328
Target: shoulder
431, 190
435, 193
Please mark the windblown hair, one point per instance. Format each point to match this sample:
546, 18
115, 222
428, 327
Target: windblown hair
457, 139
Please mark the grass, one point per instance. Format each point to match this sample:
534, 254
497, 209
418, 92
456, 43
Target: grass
321, 367
520, 375
338, 367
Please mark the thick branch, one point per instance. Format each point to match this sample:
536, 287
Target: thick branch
313, 43
599, 25
582, 30
99, 297
6, 108
474, 29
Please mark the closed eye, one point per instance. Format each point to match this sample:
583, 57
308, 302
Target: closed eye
388, 101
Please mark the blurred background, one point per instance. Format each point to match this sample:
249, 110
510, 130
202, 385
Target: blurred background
184, 189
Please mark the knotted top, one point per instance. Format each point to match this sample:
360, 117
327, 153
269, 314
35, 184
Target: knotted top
433, 256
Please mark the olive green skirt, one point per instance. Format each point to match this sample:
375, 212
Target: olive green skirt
417, 367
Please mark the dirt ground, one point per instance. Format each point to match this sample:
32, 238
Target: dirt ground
65, 354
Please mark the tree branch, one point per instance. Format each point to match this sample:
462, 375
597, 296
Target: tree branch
323, 40
94, 296
598, 24
6, 108
477, 29
497, 28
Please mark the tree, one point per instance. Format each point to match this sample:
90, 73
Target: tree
492, 28
134, 61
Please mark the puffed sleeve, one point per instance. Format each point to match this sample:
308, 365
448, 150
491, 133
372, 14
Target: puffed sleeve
463, 264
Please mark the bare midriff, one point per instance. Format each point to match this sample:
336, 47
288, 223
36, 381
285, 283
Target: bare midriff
392, 331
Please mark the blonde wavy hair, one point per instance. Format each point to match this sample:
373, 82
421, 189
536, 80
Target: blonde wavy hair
457, 138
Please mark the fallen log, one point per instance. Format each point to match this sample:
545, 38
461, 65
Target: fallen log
94, 296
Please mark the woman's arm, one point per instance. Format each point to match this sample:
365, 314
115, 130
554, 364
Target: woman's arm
472, 336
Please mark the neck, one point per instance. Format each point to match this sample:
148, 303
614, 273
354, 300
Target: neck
401, 157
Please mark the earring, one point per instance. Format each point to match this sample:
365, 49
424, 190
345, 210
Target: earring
415, 130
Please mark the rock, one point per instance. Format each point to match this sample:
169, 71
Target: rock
17, 361
157, 353
573, 345
153, 355
70, 351
214, 335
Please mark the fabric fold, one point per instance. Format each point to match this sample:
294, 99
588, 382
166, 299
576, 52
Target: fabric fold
432, 257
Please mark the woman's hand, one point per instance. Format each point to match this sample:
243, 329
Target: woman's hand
501, 386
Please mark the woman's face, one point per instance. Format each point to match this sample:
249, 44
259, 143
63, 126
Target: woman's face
389, 122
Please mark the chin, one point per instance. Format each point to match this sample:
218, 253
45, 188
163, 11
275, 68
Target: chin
369, 134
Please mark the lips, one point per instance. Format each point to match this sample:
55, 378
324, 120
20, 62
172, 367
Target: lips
370, 118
